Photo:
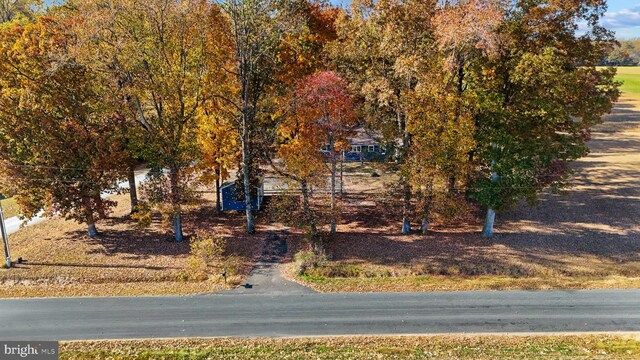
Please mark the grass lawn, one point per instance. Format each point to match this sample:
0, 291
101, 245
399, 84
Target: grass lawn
9, 207
630, 76
433, 347
123, 260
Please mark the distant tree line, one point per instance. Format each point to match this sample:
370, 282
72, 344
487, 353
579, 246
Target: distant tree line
626, 53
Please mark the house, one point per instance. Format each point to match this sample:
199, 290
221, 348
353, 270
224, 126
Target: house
363, 147
230, 201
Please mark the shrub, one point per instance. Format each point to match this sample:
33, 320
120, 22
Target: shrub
196, 269
204, 249
209, 247
307, 260
233, 264
143, 215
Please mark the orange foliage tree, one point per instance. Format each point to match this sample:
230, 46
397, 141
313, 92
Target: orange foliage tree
59, 150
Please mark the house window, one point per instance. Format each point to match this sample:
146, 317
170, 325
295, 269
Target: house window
372, 148
356, 148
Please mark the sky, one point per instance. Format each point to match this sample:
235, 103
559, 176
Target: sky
623, 17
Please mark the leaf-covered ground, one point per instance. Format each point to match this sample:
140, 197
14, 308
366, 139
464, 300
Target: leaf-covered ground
123, 260
587, 237
434, 347
9, 207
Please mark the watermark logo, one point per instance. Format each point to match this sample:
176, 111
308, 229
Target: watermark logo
38, 350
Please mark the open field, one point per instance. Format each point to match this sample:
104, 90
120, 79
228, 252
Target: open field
9, 207
630, 76
588, 237
123, 260
435, 347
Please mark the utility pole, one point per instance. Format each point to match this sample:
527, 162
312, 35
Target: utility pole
5, 237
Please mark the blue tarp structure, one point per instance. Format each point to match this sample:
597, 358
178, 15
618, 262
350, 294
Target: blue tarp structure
230, 203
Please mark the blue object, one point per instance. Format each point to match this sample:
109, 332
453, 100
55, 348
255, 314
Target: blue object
230, 203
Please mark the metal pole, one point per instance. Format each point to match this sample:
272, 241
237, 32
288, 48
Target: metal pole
5, 237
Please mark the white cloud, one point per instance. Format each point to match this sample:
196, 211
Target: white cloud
626, 22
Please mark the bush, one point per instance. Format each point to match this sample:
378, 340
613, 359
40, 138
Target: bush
233, 264
307, 260
209, 247
205, 248
196, 270
143, 215
347, 271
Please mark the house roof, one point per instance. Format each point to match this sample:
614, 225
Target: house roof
361, 137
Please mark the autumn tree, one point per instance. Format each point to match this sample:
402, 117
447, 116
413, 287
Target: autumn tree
298, 138
217, 127
380, 49
18, 10
161, 52
442, 125
220, 148
465, 34
326, 108
540, 98
58, 151
258, 28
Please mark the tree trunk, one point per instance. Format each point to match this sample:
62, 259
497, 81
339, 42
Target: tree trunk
425, 214
177, 225
218, 200
133, 192
5, 238
341, 174
91, 222
218, 195
304, 188
246, 172
487, 230
333, 183
175, 203
91, 230
425, 225
452, 184
406, 208
406, 187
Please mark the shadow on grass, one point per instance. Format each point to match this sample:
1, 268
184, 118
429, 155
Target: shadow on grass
114, 266
121, 235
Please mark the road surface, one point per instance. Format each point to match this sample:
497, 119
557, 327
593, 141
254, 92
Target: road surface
259, 315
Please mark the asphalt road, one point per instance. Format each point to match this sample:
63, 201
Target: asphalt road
319, 314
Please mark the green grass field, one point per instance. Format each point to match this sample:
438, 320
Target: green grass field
630, 76
435, 347
9, 207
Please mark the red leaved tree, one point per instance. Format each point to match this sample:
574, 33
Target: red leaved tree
324, 98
